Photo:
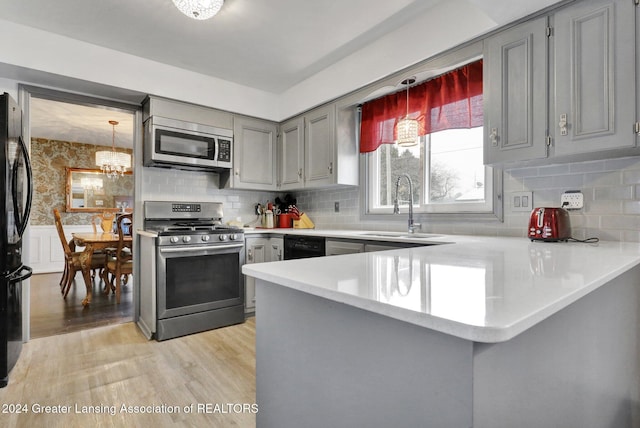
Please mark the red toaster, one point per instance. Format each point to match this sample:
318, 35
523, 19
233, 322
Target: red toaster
549, 224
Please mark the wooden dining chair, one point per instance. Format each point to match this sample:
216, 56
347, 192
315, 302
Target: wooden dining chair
121, 263
72, 258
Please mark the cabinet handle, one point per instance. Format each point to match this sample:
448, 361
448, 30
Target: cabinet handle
237, 172
330, 168
493, 137
563, 124
300, 173
250, 255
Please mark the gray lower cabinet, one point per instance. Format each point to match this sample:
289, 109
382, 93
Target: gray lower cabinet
338, 247
259, 250
370, 248
515, 93
595, 78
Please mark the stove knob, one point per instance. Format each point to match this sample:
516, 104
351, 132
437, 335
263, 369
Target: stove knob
233, 236
186, 239
205, 238
223, 237
174, 239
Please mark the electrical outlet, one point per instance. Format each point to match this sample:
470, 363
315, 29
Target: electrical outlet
336, 207
572, 200
521, 201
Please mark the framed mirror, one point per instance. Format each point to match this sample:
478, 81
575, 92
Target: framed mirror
89, 190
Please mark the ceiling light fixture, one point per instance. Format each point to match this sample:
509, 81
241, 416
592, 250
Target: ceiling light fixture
113, 163
199, 9
407, 129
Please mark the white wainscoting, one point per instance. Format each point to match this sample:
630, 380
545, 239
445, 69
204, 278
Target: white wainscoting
46, 253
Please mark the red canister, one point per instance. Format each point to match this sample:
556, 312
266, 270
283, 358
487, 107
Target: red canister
285, 220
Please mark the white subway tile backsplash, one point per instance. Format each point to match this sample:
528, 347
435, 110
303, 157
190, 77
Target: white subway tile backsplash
632, 162
608, 178
553, 170
611, 192
594, 166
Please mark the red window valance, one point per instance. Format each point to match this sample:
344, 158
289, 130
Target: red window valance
452, 100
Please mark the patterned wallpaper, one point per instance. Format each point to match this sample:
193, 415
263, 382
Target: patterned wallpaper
49, 159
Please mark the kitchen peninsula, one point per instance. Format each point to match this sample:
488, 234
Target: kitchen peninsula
480, 332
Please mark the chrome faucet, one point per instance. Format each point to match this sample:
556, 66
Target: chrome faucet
396, 208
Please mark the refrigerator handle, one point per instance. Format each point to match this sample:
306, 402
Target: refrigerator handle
21, 223
20, 275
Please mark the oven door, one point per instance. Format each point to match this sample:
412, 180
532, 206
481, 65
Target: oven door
198, 278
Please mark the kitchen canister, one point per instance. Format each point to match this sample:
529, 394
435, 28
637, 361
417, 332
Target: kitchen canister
285, 220
269, 219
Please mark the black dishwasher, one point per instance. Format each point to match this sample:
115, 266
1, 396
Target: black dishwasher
302, 247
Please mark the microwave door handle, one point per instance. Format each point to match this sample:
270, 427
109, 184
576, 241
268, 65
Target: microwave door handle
21, 221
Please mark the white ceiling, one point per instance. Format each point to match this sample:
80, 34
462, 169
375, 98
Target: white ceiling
270, 45
79, 123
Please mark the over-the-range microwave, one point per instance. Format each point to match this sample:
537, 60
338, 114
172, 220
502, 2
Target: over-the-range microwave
173, 143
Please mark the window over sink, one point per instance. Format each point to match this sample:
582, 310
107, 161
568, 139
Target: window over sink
446, 165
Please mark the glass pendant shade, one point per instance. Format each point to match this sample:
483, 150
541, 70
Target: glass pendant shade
407, 131
112, 163
199, 9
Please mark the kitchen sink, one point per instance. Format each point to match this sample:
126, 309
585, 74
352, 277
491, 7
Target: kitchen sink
401, 235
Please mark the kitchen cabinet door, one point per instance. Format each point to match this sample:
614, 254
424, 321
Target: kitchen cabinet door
292, 154
319, 146
254, 165
338, 247
594, 76
276, 249
256, 252
515, 93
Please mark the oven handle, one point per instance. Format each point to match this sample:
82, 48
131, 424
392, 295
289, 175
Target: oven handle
199, 248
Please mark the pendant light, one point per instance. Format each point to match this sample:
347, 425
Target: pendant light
407, 129
199, 9
112, 163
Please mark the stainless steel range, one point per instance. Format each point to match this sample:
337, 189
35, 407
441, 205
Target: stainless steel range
190, 269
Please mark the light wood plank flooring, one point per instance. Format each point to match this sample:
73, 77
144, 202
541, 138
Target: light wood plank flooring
116, 365
51, 314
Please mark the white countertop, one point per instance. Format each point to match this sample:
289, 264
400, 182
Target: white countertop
482, 289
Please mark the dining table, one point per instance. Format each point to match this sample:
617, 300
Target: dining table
92, 241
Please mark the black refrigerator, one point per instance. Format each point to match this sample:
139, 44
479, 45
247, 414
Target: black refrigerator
15, 205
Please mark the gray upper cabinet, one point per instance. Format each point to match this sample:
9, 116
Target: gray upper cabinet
594, 62
515, 93
178, 110
292, 154
319, 146
255, 145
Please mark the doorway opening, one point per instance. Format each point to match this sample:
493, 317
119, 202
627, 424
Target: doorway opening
65, 131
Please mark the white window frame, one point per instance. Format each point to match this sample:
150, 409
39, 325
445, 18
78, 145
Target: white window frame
372, 185
490, 211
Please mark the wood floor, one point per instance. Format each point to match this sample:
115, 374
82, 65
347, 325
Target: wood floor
51, 314
109, 367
